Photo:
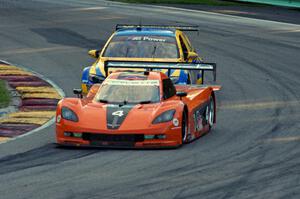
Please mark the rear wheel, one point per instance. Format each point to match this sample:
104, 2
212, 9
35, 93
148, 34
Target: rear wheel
210, 112
184, 126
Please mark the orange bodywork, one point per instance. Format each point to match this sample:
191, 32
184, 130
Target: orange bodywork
137, 130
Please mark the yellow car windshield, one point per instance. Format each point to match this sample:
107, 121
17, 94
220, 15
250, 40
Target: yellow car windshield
142, 46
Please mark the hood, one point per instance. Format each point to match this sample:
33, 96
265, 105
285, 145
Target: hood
96, 116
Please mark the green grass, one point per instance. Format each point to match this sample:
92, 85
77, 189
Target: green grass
202, 2
4, 95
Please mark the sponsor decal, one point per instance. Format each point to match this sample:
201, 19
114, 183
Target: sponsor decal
198, 122
132, 82
147, 38
199, 119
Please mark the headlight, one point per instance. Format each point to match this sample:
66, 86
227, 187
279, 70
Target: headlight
164, 117
68, 114
96, 79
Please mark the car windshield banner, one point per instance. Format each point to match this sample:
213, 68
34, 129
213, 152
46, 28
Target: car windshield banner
132, 82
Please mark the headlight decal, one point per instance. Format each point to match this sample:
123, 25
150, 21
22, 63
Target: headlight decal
68, 114
164, 117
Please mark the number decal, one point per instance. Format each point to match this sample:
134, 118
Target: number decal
118, 113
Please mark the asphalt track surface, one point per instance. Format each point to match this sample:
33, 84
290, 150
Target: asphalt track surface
253, 151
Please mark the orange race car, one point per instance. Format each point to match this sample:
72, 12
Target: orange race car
138, 109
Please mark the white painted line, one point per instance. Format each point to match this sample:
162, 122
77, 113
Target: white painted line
233, 12
86, 9
51, 121
36, 50
286, 31
225, 15
163, 9
283, 139
47, 124
232, 16
260, 105
72, 20
4, 62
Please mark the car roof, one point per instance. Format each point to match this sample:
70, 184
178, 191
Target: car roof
147, 31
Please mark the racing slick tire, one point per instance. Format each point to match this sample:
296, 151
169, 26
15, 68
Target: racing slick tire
210, 112
184, 126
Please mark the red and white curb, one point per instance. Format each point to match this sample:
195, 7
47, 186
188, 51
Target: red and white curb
35, 105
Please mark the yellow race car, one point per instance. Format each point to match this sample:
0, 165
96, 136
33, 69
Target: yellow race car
146, 43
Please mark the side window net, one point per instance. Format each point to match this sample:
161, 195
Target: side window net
168, 89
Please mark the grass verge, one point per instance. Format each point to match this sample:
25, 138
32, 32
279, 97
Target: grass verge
4, 95
200, 2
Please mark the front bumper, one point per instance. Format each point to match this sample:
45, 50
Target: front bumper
150, 138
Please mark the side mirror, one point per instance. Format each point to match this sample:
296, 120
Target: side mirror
181, 94
94, 53
192, 55
78, 92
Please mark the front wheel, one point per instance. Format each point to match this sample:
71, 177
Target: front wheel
210, 112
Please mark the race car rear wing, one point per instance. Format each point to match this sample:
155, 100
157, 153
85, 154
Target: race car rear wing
163, 65
177, 27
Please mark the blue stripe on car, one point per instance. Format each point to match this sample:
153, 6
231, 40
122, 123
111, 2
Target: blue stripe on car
183, 78
156, 32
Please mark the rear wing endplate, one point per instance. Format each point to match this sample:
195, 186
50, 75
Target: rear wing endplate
177, 27
163, 65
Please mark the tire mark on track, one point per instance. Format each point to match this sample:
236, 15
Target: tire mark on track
284, 92
40, 157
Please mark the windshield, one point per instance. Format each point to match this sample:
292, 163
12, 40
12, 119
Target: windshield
128, 91
142, 46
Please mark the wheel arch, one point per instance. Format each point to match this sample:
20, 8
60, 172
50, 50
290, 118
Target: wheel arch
186, 112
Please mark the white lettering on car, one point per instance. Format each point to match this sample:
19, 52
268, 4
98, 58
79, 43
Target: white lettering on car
118, 113
145, 38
